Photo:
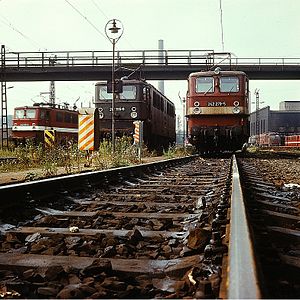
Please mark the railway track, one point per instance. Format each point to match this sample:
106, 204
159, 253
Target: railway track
274, 213
169, 230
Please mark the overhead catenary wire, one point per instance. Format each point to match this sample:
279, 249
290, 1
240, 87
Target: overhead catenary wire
98, 8
103, 13
87, 20
9, 24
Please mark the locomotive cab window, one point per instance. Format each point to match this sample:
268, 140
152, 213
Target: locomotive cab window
25, 113
30, 113
129, 93
204, 85
103, 94
229, 84
20, 113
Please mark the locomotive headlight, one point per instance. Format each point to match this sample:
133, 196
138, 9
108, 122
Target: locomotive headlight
236, 110
236, 103
101, 115
33, 125
197, 110
133, 108
196, 103
133, 115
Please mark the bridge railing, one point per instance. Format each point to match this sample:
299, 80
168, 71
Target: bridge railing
209, 58
96, 58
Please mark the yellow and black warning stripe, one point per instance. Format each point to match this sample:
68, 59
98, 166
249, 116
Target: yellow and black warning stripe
49, 138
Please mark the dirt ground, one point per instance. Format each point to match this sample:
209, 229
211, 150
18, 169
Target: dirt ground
35, 174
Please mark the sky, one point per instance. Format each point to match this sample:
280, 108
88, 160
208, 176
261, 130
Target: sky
251, 29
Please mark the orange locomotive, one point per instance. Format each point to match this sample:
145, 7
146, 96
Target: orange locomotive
217, 110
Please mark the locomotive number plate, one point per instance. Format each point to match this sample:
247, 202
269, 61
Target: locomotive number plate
118, 109
216, 103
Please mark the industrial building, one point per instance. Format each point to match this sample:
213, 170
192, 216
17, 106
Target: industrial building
285, 121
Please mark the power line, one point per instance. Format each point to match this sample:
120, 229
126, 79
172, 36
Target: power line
78, 11
103, 13
97, 6
9, 24
221, 21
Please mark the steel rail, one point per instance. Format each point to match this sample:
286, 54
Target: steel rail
13, 194
242, 279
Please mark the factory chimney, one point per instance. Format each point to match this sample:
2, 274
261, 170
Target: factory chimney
161, 83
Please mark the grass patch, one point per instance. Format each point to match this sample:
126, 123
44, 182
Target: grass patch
177, 151
40, 162
68, 157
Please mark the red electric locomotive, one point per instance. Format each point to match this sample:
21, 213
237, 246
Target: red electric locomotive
30, 122
217, 110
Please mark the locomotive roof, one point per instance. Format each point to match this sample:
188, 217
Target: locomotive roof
125, 81
45, 105
214, 73
133, 81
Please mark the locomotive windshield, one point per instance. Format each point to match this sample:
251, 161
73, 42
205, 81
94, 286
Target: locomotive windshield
25, 113
229, 84
129, 93
205, 85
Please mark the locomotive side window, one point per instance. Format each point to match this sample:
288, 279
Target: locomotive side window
162, 104
74, 118
204, 85
156, 102
44, 114
67, 118
170, 110
59, 116
229, 84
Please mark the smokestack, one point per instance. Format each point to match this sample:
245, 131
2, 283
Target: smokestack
161, 83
